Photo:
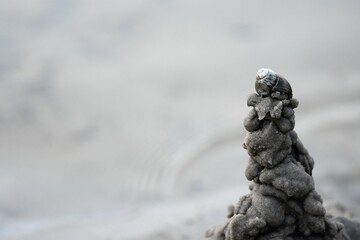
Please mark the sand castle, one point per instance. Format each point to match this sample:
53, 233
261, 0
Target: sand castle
283, 202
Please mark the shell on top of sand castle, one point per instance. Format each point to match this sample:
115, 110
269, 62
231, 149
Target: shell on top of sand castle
282, 203
269, 82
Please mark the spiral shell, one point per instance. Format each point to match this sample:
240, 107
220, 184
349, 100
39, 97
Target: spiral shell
265, 81
268, 82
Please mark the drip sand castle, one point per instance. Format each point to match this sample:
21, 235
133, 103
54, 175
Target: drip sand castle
283, 202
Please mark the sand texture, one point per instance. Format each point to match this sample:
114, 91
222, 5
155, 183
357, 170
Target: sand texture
123, 120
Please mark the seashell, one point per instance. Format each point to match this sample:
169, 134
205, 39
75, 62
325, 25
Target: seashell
265, 81
268, 82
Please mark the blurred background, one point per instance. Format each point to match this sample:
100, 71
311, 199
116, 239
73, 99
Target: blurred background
123, 119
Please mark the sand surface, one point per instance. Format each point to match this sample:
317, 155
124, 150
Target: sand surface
123, 119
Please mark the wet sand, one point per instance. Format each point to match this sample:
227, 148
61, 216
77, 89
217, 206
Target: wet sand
123, 120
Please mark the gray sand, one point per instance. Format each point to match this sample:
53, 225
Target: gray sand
123, 120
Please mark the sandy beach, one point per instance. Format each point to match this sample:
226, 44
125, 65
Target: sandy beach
123, 120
